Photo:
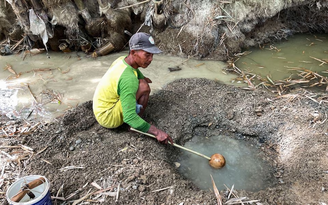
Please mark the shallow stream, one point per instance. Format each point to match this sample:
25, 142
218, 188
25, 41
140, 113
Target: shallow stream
45, 87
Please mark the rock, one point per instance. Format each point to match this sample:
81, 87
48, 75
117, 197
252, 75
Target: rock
143, 179
142, 188
130, 178
78, 141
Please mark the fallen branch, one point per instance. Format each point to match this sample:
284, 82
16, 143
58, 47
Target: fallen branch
240, 201
26, 148
322, 61
17, 44
236, 200
39, 152
216, 192
57, 198
231, 191
117, 193
96, 185
64, 169
28, 86
10, 69
92, 193
81, 199
46, 161
9, 147
2, 42
158, 190
136, 4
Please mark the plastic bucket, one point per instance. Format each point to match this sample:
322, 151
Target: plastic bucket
41, 192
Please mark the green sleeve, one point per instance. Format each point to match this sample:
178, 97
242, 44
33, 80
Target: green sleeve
140, 75
127, 89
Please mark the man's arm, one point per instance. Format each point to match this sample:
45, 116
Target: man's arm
128, 86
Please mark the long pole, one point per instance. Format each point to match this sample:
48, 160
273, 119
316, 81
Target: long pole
176, 145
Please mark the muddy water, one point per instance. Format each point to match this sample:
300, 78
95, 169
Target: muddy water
46, 87
245, 166
278, 60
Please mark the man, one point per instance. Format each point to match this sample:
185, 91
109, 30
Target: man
123, 92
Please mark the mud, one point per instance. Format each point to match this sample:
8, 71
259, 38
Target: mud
199, 29
290, 130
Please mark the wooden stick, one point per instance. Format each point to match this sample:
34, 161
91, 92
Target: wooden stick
216, 192
17, 44
9, 147
162, 189
118, 192
125, 7
322, 61
176, 145
2, 42
30, 186
231, 191
90, 194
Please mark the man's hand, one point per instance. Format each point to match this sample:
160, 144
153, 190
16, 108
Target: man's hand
161, 136
164, 138
148, 80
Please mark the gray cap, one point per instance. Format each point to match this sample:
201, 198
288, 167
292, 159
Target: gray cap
143, 41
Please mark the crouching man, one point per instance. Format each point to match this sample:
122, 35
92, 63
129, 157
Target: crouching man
123, 92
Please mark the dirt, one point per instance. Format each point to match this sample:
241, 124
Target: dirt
290, 130
199, 28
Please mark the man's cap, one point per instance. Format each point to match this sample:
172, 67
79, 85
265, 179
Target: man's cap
143, 41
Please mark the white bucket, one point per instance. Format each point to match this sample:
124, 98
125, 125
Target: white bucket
41, 192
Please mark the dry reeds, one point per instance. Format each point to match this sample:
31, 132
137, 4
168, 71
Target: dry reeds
303, 77
52, 3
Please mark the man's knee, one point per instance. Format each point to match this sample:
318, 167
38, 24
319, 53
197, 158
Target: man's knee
144, 86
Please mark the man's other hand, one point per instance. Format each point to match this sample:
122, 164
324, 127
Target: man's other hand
161, 136
164, 138
148, 80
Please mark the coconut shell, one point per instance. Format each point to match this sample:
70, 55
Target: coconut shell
217, 161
